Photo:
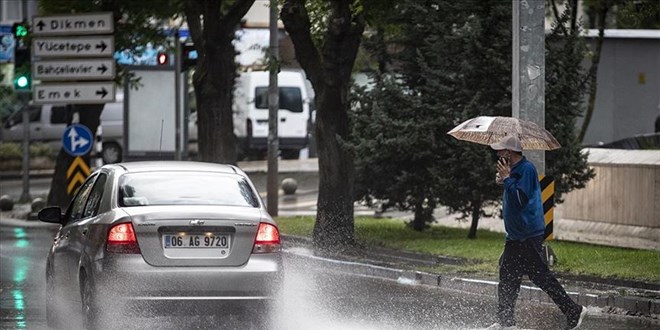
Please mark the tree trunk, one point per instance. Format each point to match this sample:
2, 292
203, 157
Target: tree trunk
334, 219
329, 70
213, 89
472, 234
423, 215
212, 25
58, 195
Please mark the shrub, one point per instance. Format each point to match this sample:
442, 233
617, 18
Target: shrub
10, 151
14, 151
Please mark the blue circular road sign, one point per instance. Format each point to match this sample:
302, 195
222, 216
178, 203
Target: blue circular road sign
77, 140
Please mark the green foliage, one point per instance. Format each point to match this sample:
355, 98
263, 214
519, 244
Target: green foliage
42, 150
10, 151
395, 140
643, 14
564, 92
455, 64
483, 254
14, 151
624, 14
8, 102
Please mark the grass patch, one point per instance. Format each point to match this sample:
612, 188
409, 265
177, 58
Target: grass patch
484, 252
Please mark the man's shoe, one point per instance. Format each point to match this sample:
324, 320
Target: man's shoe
575, 321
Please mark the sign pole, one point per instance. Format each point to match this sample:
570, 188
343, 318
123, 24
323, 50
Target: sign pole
25, 195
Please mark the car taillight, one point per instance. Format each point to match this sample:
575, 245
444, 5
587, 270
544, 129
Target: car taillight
121, 239
267, 240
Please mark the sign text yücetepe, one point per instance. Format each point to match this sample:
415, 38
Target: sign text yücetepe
55, 46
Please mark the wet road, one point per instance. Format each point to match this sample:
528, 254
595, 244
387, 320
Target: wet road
315, 296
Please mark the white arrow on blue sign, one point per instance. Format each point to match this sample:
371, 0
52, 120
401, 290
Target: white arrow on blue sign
77, 140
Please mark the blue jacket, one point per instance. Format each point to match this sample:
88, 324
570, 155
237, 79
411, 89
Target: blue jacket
523, 209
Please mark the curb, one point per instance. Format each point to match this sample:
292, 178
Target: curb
628, 305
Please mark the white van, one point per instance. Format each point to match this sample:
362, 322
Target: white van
251, 112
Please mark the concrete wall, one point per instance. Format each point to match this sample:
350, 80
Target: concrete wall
623, 195
620, 206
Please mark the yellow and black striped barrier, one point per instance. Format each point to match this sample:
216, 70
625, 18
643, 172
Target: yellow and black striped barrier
548, 199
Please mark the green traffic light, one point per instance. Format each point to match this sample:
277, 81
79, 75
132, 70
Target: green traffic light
21, 31
22, 82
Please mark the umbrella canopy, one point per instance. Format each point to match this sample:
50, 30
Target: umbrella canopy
488, 130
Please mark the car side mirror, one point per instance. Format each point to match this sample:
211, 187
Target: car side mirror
51, 214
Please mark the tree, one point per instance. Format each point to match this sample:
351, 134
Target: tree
566, 84
394, 136
212, 25
328, 63
640, 14
136, 23
455, 64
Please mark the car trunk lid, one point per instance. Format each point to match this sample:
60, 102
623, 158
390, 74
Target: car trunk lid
195, 235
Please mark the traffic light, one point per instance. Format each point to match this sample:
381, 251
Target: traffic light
162, 58
22, 82
20, 30
188, 56
22, 76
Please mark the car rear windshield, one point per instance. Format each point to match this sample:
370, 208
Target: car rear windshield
185, 188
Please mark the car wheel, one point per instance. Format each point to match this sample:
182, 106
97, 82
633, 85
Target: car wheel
111, 153
89, 310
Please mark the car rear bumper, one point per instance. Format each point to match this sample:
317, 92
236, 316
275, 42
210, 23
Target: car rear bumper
128, 278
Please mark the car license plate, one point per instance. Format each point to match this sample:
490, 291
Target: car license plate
182, 240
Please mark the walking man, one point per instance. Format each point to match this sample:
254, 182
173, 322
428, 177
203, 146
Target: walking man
525, 227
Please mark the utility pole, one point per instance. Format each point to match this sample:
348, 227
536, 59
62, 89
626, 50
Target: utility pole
272, 188
528, 89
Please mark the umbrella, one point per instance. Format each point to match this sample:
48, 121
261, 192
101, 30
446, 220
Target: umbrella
488, 130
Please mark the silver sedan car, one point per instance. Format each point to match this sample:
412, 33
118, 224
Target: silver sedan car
144, 234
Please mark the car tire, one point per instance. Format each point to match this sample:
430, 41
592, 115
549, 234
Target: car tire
111, 153
89, 310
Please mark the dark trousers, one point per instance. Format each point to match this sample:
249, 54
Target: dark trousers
518, 259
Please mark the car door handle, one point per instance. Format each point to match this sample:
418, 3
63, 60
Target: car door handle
282, 119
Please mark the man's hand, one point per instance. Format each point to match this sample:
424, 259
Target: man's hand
503, 169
